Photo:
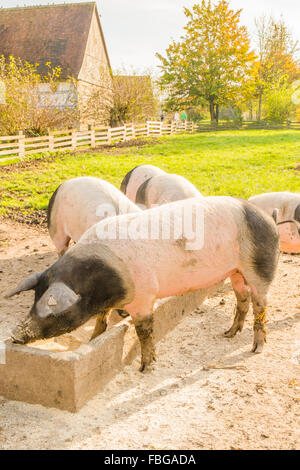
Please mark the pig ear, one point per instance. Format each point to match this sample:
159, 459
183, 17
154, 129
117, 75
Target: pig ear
30, 283
275, 215
58, 298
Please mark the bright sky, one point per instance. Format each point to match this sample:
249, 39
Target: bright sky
136, 29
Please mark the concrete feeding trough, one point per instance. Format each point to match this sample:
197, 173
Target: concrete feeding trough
68, 371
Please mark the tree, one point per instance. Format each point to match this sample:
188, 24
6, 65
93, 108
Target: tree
133, 98
276, 56
29, 101
278, 101
212, 62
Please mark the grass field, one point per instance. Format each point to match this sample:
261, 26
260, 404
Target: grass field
237, 163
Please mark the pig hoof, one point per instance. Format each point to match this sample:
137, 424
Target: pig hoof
145, 365
232, 332
146, 368
257, 348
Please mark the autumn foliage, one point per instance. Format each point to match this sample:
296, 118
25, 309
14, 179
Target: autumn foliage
27, 99
213, 64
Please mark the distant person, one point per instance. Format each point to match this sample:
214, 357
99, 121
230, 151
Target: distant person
162, 117
176, 117
183, 117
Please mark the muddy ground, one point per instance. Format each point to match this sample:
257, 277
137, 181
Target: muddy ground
205, 392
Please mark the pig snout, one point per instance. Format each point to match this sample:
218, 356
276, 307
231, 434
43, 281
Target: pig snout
27, 331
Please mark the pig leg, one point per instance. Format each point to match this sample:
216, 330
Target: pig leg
243, 296
259, 302
259, 289
101, 325
144, 330
61, 242
140, 311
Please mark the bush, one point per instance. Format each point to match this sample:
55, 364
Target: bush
30, 102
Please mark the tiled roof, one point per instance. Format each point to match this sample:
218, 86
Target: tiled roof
52, 33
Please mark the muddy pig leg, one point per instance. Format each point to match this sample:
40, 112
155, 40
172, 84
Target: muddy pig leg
101, 325
243, 297
144, 330
259, 302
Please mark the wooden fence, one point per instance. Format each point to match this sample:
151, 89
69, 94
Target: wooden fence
73, 139
20, 145
207, 126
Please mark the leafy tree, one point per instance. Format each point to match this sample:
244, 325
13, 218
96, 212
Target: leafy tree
277, 62
212, 63
130, 97
133, 98
278, 101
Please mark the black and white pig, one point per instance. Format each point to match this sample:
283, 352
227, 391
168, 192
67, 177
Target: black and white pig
118, 264
285, 208
163, 189
136, 177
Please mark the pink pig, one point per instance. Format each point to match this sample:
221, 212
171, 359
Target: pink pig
162, 189
136, 177
285, 207
129, 261
79, 203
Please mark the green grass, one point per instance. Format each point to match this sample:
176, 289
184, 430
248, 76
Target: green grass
237, 163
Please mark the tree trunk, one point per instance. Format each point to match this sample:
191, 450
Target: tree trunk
260, 105
213, 116
217, 114
251, 111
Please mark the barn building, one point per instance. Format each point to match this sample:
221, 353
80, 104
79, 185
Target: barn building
66, 35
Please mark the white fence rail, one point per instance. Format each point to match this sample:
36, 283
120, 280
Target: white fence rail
72, 139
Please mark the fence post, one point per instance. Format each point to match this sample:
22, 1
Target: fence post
51, 143
74, 139
161, 128
148, 129
125, 133
133, 131
21, 144
172, 127
93, 138
109, 136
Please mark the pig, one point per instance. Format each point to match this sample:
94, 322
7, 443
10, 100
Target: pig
163, 189
285, 208
121, 263
136, 177
79, 203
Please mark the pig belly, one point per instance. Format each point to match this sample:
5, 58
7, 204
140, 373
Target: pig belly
195, 271
166, 270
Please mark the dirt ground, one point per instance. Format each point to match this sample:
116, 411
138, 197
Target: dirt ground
205, 392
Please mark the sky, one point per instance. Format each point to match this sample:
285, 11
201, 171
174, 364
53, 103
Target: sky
136, 29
